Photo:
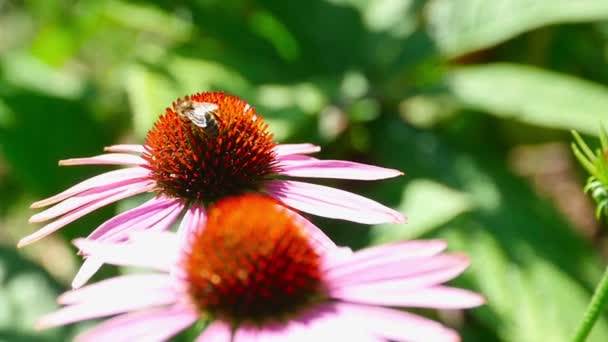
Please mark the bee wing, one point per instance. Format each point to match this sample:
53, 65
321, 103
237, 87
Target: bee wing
199, 114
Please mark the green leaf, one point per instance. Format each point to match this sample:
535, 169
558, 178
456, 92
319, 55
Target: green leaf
528, 298
149, 94
418, 197
535, 270
532, 96
26, 293
463, 26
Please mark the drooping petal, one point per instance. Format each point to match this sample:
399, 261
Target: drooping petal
340, 169
78, 213
316, 234
141, 251
104, 179
194, 218
89, 267
326, 322
143, 326
402, 250
436, 297
287, 149
333, 203
245, 333
84, 198
217, 331
120, 286
396, 325
105, 159
395, 273
114, 302
125, 148
143, 217
291, 330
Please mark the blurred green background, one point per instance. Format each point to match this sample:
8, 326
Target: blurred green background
472, 99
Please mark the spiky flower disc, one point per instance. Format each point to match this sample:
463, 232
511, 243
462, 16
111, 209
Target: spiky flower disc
251, 265
190, 162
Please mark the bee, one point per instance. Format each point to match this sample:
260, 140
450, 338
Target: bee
201, 114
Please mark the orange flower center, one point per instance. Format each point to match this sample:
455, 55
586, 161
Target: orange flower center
252, 262
209, 145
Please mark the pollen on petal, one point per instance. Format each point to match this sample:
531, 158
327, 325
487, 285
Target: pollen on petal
251, 262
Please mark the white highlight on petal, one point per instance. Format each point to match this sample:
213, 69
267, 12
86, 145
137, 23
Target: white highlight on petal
287, 149
105, 159
89, 267
145, 249
125, 148
339, 169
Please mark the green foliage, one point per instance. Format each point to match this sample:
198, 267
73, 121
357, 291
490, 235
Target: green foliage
531, 95
468, 25
443, 90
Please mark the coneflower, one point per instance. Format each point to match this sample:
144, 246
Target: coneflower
208, 146
256, 271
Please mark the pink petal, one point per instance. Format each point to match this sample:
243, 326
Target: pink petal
78, 213
316, 234
84, 198
150, 325
437, 297
105, 159
396, 325
245, 333
114, 302
125, 148
335, 169
142, 252
193, 220
395, 273
287, 149
119, 286
101, 180
403, 250
294, 157
153, 205
326, 322
333, 203
217, 331
148, 215
290, 330
89, 267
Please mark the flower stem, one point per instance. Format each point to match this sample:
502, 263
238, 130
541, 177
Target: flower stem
598, 302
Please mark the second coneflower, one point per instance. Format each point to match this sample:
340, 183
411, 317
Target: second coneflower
256, 271
208, 146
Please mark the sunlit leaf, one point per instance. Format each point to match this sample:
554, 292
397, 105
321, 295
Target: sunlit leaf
463, 26
532, 95
26, 293
528, 298
428, 205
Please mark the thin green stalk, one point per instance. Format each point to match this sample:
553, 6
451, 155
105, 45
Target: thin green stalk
597, 304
